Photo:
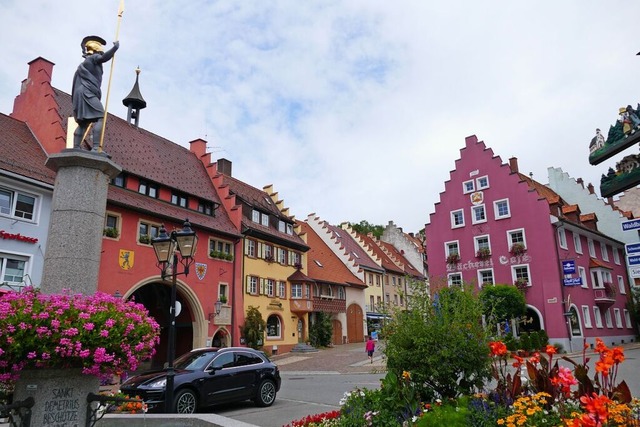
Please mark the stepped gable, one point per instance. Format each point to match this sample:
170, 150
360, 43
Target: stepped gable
376, 251
394, 253
352, 249
21, 153
261, 200
321, 228
323, 265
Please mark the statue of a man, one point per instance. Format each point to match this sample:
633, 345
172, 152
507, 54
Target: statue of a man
86, 93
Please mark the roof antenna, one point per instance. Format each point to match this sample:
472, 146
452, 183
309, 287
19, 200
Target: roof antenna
531, 175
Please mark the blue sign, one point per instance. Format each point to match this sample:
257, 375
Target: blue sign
568, 267
573, 281
632, 248
633, 260
632, 224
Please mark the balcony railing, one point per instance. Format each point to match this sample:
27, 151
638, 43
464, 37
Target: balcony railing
604, 296
300, 305
329, 305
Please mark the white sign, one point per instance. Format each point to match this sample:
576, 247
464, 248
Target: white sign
634, 272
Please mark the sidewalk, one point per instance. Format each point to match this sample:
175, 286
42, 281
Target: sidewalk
342, 359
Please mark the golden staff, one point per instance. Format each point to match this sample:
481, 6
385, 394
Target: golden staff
113, 60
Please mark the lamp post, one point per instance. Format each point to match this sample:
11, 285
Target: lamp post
181, 243
217, 307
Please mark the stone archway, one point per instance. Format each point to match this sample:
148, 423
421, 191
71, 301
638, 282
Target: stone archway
155, 295
355, 329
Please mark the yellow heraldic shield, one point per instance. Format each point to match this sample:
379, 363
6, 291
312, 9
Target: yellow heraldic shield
126, 259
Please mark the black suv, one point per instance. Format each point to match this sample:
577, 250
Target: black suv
209, 376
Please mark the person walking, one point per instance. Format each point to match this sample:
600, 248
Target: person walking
370, 348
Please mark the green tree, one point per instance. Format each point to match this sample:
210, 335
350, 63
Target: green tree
321, 330
501, 303
440, 341
364, 227
253, 328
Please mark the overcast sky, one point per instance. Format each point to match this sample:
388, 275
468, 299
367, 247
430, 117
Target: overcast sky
352, 109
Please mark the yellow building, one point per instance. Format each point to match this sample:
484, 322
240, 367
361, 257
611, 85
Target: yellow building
273, 264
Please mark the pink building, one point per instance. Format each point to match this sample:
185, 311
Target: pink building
494, 225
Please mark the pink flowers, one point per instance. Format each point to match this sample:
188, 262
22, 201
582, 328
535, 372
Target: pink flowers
99, 333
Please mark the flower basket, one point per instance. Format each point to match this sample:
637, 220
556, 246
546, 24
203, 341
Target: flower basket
100, 334
144, 239
521, 284
483, 253
453, 258
110, 232
517, 249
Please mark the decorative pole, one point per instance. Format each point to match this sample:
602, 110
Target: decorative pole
113, 60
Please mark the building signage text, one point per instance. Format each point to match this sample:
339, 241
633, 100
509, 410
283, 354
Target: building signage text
20, 237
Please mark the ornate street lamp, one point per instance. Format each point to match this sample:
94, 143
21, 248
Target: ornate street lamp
166, 246
217, 307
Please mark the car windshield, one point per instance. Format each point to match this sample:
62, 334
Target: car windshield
193, 361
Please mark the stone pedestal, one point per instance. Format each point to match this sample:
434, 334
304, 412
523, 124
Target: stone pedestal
60, 396
72, 259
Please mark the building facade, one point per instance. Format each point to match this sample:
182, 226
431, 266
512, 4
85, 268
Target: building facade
494, 225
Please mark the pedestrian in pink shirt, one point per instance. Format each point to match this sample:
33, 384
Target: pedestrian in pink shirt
370, 348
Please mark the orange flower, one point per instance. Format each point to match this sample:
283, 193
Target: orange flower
596, 406
600, 346
518, 361
498, 348
550, 350
618, 355
602, 367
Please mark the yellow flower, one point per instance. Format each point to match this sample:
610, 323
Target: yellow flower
406, 375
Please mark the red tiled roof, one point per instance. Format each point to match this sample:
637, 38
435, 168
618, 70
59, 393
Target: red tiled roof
259, 199
387, 263
408, 267
332, 270
544, 191
155, 207
142, 153
156, 159
594, 263
20, 152
350, 246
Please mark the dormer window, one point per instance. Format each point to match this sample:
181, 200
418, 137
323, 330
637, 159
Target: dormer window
148, 188
205, 207
260, 217
179, 199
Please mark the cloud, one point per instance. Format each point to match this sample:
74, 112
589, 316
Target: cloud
352, 110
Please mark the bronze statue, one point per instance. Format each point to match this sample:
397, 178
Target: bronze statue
86, 93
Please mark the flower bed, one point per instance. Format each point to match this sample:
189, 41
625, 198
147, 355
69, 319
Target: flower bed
548, 395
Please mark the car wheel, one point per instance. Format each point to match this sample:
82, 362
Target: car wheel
186, 402
266, 393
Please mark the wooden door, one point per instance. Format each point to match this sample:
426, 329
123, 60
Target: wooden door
355, 332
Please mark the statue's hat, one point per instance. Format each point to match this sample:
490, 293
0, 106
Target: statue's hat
91, 38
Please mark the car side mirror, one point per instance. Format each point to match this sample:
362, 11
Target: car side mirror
214, 369
166, 365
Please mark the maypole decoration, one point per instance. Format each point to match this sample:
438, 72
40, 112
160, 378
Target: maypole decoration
113, 60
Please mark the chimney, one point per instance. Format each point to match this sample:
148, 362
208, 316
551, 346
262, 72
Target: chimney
223, 166
610, 201
513, 164
580, 181
590, 188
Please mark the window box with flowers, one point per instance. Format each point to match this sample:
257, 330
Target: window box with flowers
145, 239
453, 258
517, 249
221, 255
522, 284
483, 253
110, 232
610, 290
222, 299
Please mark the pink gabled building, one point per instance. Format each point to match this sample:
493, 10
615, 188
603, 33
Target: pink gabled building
494, 225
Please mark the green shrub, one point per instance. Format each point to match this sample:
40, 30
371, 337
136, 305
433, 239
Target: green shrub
253, 328
441, 341
321, 330
501, 303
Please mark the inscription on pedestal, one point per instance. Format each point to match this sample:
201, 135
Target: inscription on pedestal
61, 409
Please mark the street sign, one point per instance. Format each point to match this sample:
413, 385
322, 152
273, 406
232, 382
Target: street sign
572, 281
568, 266
632, 248
633, 260
632, 224
634, 272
